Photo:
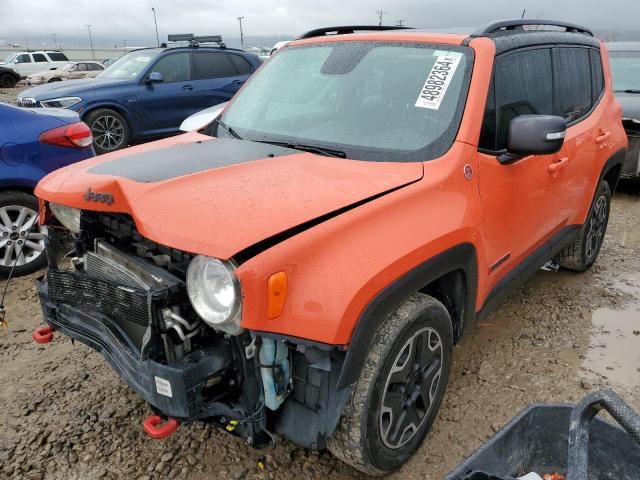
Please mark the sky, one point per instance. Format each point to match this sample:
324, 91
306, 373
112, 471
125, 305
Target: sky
115, 21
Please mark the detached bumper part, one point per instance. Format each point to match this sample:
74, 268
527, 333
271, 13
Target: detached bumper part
152, 427
42, 334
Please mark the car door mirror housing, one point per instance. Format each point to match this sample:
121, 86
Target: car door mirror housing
534, 135
201, 119
155, 77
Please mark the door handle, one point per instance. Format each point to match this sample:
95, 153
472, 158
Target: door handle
237, 82
603, 138
187, 87
555, 167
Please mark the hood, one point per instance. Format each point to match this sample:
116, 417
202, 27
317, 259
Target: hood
49, 74
68, 89
218, 197
62, 114
630, 103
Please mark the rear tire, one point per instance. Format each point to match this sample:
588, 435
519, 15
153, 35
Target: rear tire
27, 251
388, 416
109, 129
7, 81
583, 253
55, 80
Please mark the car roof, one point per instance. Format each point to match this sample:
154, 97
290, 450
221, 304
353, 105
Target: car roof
171, 48
623, 46
506, 34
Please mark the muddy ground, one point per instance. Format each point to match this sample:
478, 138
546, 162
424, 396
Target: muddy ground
65, 415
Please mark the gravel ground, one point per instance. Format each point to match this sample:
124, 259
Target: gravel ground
66, 415
8, 95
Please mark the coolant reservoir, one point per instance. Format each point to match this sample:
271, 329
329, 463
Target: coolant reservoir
274, 370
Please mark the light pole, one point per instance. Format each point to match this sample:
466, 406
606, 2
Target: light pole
241, 34
93, 55
380, 14
55, 42
155, 20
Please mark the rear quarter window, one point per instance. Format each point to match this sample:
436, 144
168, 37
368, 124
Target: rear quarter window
243, 67
58, 57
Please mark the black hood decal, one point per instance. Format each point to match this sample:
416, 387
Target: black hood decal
179, 160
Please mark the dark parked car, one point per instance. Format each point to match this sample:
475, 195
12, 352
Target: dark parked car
33, 143
148, 92
625, 70
8, 77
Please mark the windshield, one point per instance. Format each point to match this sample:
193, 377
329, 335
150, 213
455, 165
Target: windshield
9, 58
128, 66
372, 100
625, 70
66, 67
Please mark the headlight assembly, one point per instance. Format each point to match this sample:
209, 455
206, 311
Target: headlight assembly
214, 291
69, 217
62, 102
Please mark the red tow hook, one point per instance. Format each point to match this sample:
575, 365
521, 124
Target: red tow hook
152, 428
42, 334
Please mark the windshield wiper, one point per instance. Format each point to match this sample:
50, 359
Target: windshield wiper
228, 129
632, 90
327, 152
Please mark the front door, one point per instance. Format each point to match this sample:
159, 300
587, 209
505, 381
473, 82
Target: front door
162, 106
517, 198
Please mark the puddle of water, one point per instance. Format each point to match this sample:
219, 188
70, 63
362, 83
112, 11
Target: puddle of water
614, 348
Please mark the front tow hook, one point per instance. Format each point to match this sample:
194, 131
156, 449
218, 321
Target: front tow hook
42, 334
152, 427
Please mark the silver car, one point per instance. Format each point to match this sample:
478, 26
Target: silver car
70, 71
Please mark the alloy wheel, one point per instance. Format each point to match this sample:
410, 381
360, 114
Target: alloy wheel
597, 225
20, 241
108, 132
411, 387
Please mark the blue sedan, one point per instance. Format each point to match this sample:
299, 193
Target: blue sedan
148, 92
33, 143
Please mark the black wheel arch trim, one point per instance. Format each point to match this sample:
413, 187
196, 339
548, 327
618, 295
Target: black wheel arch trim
116, 108
615, 160
462, 257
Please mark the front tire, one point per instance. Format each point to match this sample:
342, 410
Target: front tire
7, 81
583, 253
20, 244
400, 389
109, 129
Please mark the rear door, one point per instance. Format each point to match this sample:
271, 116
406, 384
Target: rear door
516, 198
578, 86
163, 106
41, 62
79, 70
219, 75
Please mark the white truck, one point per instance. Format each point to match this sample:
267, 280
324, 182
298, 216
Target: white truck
26, 63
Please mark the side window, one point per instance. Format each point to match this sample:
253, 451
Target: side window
38, 57
597, 78
243, 67
174, 68
82, 67
213, 65
58, 57
95, 66
573, 82
522, 85
23, 58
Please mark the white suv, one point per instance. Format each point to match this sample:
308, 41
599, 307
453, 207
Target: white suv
26, 63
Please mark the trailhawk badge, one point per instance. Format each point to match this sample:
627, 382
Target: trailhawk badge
98, 197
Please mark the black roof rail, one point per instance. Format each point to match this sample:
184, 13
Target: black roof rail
345, 29
517, 25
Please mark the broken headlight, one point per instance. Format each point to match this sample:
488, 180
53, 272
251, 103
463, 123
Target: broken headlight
69, 217
214, 291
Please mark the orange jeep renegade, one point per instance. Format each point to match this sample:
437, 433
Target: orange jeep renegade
304, 264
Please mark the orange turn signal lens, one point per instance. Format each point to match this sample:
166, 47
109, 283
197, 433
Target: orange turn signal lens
276, 294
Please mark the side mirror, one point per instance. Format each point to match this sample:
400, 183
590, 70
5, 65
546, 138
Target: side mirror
202, 118
155, 77
534, 135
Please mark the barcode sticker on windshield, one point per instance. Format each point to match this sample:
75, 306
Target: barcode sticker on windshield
437, 82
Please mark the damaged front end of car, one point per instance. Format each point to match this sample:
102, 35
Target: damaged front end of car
169, 323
